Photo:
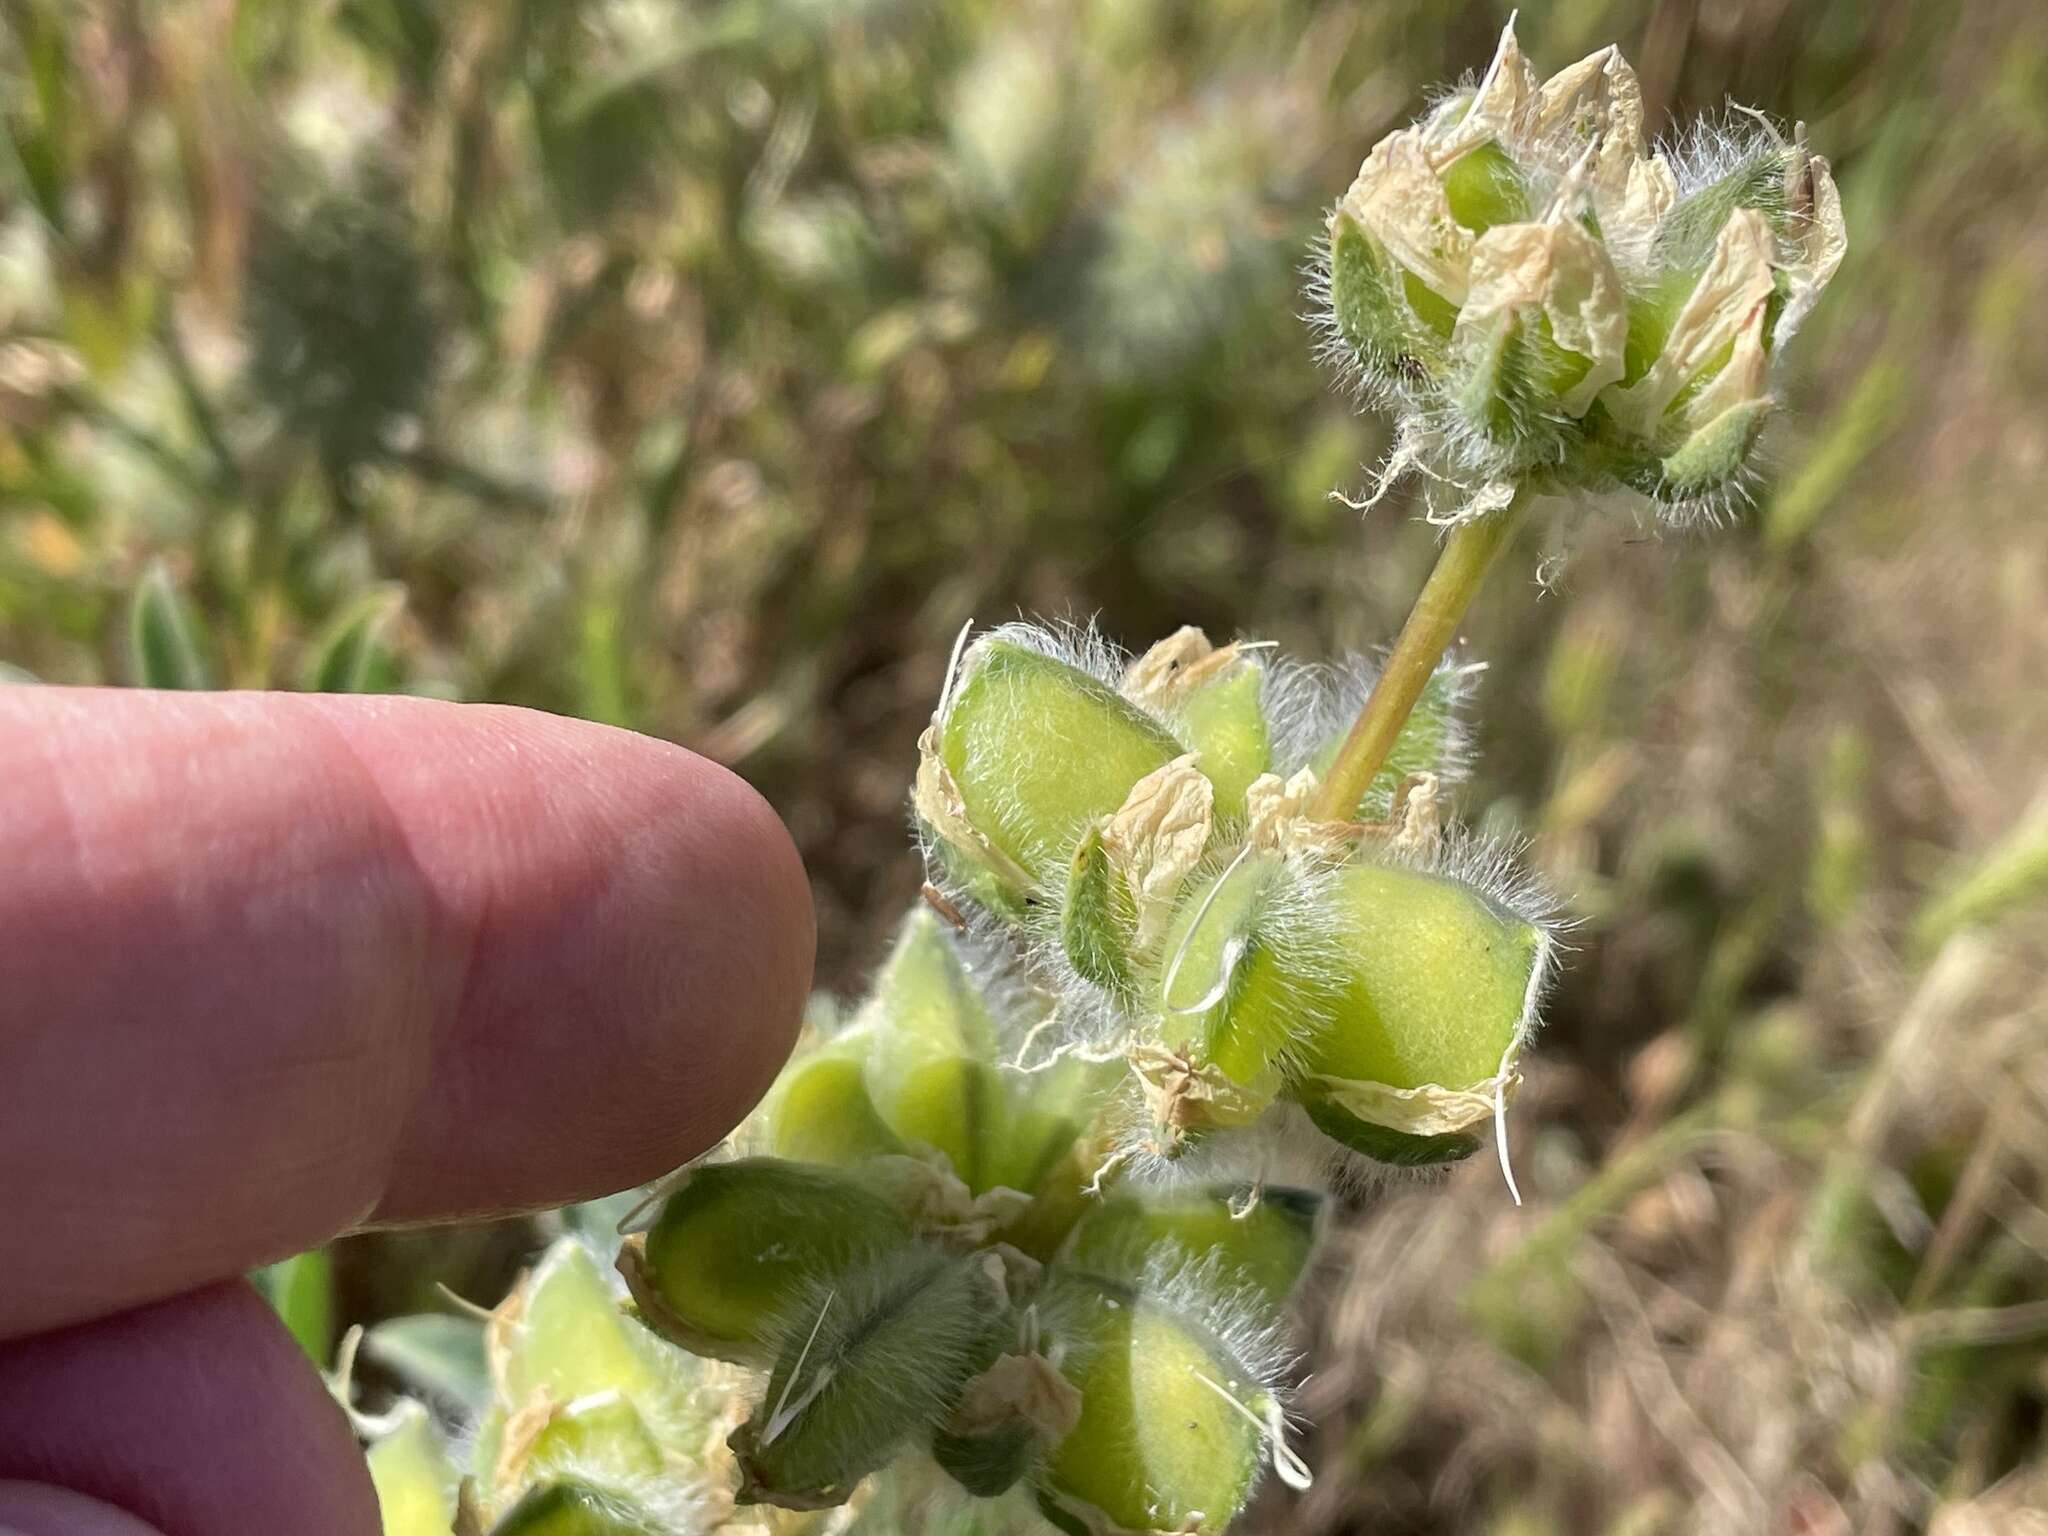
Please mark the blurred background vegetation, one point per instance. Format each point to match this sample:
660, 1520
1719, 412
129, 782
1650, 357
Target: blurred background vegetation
701, 367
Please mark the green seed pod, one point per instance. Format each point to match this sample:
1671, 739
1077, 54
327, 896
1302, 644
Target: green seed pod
1264, 1237
972, 1114
1239, 995
1376, 313
414, 1480
1098, 920
1440, 978
999, 779
866, 1361
737, 1243
1176, 1409
925, 1000
578, 1508
820, 1111
1225, 722
1214, 698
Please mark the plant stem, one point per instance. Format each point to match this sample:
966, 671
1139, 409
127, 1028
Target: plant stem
1468, 554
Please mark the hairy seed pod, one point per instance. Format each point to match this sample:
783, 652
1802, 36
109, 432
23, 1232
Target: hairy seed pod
1001, 781
928, 1035
736, 1243
990, 1137
577, 1508
1438, 992
926, 1000
1263, 1236
1098, 919
1171, 1434
599, 1437
864, 1362
1239, 995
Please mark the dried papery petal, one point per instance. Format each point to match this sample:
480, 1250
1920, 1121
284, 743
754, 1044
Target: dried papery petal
938, 1204
1648, 192
1492, 112
1277, 819
1005, 1419
1725, 310
1183, 1095
1176, 666
1596, 105
1561, 272
1399, 200
1429, 1109
1818, 236
1157, 837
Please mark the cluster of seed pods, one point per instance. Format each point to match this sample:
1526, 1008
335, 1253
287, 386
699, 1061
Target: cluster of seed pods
1545, 300
1032, 1213
1015, 1240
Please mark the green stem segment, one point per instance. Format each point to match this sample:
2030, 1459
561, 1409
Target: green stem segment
1468, 554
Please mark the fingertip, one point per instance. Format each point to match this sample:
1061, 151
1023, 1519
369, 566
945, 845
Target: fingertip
197, 1415
636, 981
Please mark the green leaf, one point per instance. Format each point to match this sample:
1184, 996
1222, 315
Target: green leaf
435, 1355
167, 644
301, 1289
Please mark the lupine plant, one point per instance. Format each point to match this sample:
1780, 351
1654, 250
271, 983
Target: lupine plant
1014, 1240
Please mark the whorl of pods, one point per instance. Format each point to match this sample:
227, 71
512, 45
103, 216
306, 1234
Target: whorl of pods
1017, 1225
1539, 295
1143, 828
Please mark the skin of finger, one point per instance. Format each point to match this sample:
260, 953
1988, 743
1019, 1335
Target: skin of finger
197, 1415
37, 1509
279, 966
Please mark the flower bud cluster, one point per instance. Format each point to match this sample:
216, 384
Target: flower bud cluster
1546, 301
